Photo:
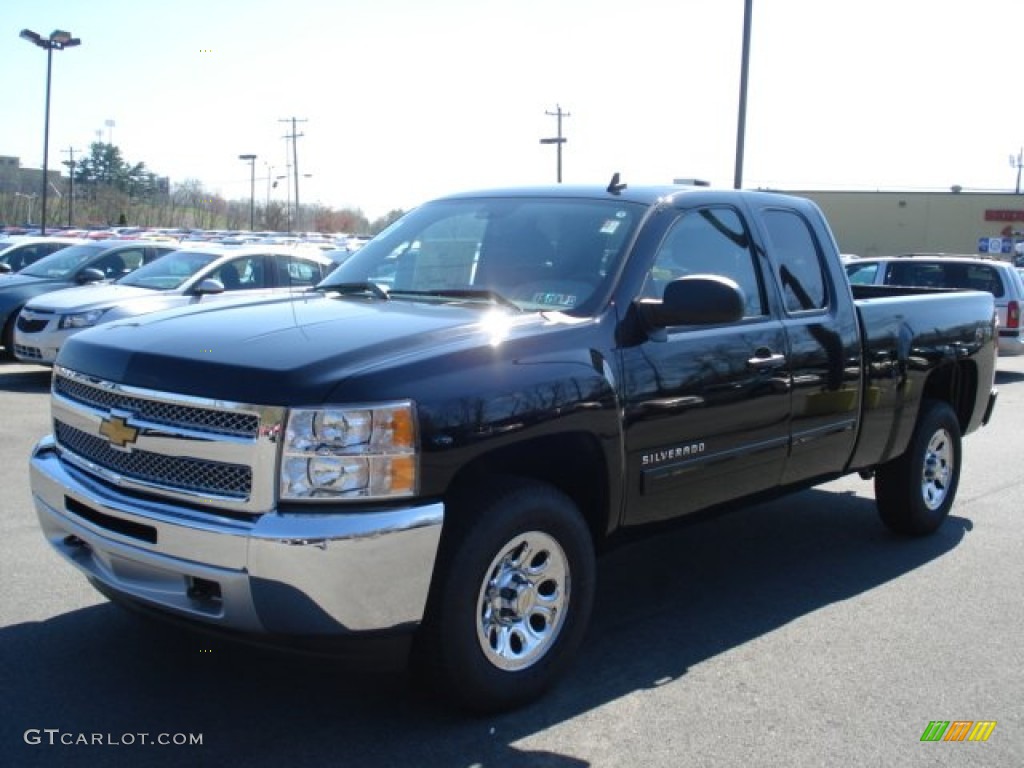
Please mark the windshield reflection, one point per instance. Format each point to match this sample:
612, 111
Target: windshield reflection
540, 254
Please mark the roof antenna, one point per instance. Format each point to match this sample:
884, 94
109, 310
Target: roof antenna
614, 186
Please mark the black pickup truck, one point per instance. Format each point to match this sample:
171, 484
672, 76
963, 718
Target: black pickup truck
437, 441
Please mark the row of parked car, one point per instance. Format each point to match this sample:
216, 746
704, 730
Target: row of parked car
53, 287
327, 242
85, 283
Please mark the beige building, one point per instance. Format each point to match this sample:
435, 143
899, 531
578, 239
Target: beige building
16, 178
885, 223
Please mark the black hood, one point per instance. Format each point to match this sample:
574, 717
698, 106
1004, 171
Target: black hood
290, 351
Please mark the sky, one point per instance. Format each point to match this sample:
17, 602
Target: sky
404, 100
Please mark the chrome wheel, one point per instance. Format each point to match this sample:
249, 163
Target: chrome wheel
523, 601
939, 460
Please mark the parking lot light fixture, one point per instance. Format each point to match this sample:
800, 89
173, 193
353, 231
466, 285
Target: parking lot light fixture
57, 41
251, 159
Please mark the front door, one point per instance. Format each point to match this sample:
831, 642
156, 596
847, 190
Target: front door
707, 409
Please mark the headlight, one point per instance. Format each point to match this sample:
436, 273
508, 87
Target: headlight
364, 452
81, 319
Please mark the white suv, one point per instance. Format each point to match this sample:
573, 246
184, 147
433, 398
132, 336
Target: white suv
1000, 278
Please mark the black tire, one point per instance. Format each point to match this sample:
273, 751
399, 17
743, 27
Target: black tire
513, 593
915, 492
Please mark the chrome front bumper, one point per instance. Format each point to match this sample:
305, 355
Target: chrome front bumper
329, 573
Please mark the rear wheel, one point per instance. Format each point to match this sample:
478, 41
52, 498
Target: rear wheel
512, 598
916, 491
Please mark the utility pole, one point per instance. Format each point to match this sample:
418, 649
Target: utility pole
251, 159
70, 163
270, 176
558, 140
1018, 163
295, 160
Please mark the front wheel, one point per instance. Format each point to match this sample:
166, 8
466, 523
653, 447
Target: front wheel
915, 491
512, 598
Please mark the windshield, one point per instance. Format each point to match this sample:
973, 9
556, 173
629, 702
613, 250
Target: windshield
540, 253
169, 271
63, 262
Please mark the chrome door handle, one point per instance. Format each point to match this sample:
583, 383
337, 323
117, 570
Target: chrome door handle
760, 362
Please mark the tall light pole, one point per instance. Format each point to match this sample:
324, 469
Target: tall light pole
252, 189
57, 41
741, 127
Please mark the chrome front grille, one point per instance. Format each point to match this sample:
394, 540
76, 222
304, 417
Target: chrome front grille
216, 422
202, 477
198, 450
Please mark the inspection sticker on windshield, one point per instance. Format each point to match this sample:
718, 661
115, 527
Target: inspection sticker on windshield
610, 227
555, 299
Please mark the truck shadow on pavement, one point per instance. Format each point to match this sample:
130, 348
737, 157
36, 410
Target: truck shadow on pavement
24, 378
665, 604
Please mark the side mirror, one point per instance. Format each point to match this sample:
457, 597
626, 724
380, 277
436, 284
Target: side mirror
90, 275
695, 300
5, 268
209, 285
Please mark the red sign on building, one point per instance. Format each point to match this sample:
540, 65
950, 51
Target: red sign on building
996, 215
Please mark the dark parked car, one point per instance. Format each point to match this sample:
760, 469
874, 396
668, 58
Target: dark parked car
18, 253
74, 265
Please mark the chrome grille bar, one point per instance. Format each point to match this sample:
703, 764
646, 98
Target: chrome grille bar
172, 472
210, 420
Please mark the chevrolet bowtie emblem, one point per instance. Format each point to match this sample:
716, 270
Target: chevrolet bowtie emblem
118, 432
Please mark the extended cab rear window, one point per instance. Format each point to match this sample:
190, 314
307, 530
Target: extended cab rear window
801, 272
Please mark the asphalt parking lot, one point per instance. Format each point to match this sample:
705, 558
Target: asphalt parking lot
795, 633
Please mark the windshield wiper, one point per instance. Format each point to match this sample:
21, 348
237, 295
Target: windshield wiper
474, 294
351, 288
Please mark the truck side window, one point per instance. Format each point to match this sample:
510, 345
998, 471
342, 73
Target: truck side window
710, 241
801, 273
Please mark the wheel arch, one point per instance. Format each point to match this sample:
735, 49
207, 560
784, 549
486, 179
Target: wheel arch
956, 384
573, 462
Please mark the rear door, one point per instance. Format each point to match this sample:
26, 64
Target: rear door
824, 351
247, 276
296, 274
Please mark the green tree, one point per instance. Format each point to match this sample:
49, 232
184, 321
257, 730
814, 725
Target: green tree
105, 167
